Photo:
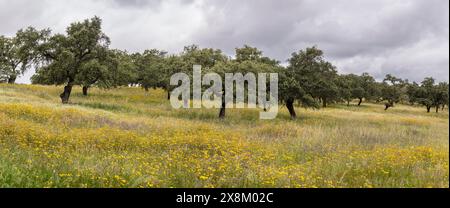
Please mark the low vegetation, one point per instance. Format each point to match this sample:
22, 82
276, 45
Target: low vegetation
116, 127
127, 137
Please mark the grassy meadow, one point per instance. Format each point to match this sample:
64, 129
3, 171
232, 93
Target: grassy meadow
131, 138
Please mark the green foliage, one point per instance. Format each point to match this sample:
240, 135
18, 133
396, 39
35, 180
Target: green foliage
122, 69
352, 86
369, 85
429, 94
150, 68
206, 57
70, 56
18, 53
82, 57
314, 78
248, 53
392, 89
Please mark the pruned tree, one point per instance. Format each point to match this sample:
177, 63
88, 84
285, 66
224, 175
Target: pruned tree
429, 94
291, 90
248, 60
18, 53
66, 58
346, 85
150, 67
391, 90
112, 69
124, 68
443, 95
245, 67
308, 79
367, 88
317, 77
413, 91
352, 87
173, 64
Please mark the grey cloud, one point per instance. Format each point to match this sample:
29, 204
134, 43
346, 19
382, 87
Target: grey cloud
409, 38
374, 36
18, 14
127, 4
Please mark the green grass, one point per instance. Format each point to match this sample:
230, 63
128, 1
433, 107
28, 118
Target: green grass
127, 137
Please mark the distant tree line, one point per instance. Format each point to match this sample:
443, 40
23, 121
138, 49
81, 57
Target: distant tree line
82, 57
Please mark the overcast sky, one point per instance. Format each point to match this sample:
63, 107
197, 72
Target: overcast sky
407, 38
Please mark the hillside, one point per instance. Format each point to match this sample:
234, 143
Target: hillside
129, 138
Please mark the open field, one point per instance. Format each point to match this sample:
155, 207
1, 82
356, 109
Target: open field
128, 138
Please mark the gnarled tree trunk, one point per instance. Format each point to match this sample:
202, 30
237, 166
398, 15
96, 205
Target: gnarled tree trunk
360, 101
67, 90
85, 90
223, 107
388, 105
12, 79
324, 102
66, 94
290, 107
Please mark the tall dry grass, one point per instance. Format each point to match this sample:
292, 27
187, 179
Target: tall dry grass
129, 138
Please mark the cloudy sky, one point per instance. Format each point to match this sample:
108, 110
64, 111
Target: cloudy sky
407, 38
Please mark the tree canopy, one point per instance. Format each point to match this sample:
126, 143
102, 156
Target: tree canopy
81, 56
18, 53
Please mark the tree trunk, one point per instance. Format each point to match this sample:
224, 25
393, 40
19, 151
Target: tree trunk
66, 94
443, 107
437, 109
146, 89
324, 102
12, 79
85, 90
388, 105
290, 107
168, 95
428, 109
222, 108
360, 101
348, 103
